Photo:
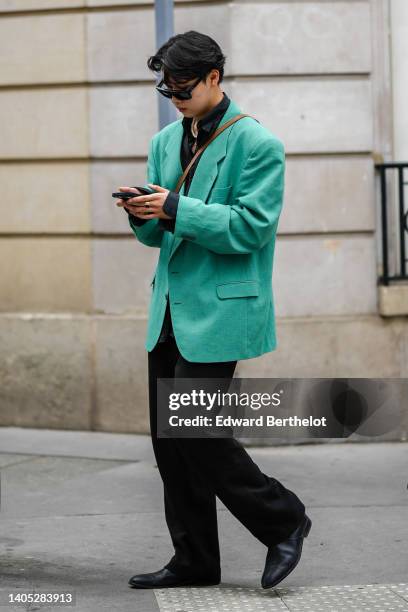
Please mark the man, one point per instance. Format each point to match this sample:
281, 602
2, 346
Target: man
211, 306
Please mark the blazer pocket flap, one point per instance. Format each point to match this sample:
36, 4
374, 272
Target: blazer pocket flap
222, 190
238, 289
220, 194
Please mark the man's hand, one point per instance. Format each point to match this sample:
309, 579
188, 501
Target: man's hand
137, 206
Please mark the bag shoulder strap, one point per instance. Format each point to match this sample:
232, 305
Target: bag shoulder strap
201, 149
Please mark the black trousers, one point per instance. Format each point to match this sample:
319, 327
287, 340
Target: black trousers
196, 470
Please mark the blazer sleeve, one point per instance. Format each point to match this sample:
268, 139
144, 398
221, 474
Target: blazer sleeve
148, 231
251, 220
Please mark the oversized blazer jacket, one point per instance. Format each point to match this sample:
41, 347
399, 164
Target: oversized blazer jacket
217, 265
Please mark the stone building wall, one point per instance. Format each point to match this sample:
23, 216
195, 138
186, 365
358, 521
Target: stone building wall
78, 109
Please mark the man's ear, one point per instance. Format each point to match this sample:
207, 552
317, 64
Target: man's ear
212, 76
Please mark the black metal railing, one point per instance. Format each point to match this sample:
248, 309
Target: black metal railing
384, 170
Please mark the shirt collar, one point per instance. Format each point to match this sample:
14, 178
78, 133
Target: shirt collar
213, 116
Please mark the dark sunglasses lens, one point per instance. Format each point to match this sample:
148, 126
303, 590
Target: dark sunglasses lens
182, 95
163, 92
168, 93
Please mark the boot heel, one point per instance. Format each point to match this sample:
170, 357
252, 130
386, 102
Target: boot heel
307, 527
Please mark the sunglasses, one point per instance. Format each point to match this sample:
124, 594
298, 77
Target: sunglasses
180, 94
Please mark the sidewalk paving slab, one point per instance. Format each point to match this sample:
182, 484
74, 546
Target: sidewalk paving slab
83, 511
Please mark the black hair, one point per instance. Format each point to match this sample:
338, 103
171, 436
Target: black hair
188, 56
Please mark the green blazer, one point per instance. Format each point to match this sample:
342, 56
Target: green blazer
217, 265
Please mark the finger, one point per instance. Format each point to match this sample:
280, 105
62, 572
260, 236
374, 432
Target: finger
141, 209
146, 217
132, 189
143, 199
157, 187
122, 202
139, 206
136, 211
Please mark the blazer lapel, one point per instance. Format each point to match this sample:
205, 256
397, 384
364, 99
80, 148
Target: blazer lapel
208, 165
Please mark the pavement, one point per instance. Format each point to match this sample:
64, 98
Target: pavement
82, 511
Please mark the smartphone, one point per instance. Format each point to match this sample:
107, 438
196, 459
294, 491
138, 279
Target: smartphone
126, 195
